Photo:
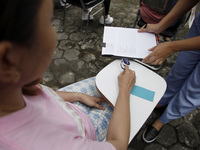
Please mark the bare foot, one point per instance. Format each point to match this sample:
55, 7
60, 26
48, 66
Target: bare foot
158, 125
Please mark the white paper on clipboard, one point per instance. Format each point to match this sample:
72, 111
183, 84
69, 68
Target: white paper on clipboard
127, 42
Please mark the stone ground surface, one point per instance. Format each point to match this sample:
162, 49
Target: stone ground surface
74, 61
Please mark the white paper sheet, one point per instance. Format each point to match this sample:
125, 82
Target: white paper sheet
127, 42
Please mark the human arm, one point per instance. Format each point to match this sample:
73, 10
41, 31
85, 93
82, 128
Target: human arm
181, 7
81, 97
119, 127
164, 50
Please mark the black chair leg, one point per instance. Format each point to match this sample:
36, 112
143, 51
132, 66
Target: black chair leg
136, 20
87, 24
104, 14
64, 12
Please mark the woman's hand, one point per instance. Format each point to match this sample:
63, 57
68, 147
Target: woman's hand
81, 97
152, 28
126, 80
90, 100
159, 53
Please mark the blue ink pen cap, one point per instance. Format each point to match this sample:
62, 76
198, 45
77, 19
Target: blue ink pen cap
124, 62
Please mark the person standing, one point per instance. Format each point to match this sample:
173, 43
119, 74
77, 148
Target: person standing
183, 81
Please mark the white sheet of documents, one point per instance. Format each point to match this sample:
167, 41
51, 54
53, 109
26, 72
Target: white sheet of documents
127, 42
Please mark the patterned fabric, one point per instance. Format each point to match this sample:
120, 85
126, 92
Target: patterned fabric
99, 118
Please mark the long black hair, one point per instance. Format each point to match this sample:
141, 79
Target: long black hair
18, 24
18, 20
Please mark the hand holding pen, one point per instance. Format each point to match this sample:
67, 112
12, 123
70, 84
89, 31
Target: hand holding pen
152, 28
126, 80
124, 62
144, 28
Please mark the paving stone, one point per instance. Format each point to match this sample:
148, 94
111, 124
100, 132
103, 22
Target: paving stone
71, 54
87, 46
71, 28
65, 45
154, 147
80, 64
62, 36
127, 21
179, 147
67, 78
68, 22
58, 62
89, 57
188, 135
76, 36
192, 116
196, 119
92, 67
198, 148
164, 71
176, 122
100, 64
57, 54
57, 25
56, 22
47, 77
171, 60
167, 136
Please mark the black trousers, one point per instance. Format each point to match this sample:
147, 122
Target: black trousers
106, 4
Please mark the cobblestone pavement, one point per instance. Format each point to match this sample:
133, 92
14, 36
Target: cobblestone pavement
74, 61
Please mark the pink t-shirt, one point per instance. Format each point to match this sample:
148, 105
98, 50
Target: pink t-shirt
44, 125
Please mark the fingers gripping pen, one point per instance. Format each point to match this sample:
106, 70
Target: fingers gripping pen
124, 62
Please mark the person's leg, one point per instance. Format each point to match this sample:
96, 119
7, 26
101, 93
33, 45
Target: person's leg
176, 107
108, 18
99, 118
178, 81
107, 6
185, 64
186, 100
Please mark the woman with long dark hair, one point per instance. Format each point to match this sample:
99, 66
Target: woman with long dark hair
33, 116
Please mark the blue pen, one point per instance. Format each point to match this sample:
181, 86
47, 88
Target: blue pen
124, 62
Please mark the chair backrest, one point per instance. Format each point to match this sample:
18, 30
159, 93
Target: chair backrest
161, 6
85, 4
75, 2
173, 30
